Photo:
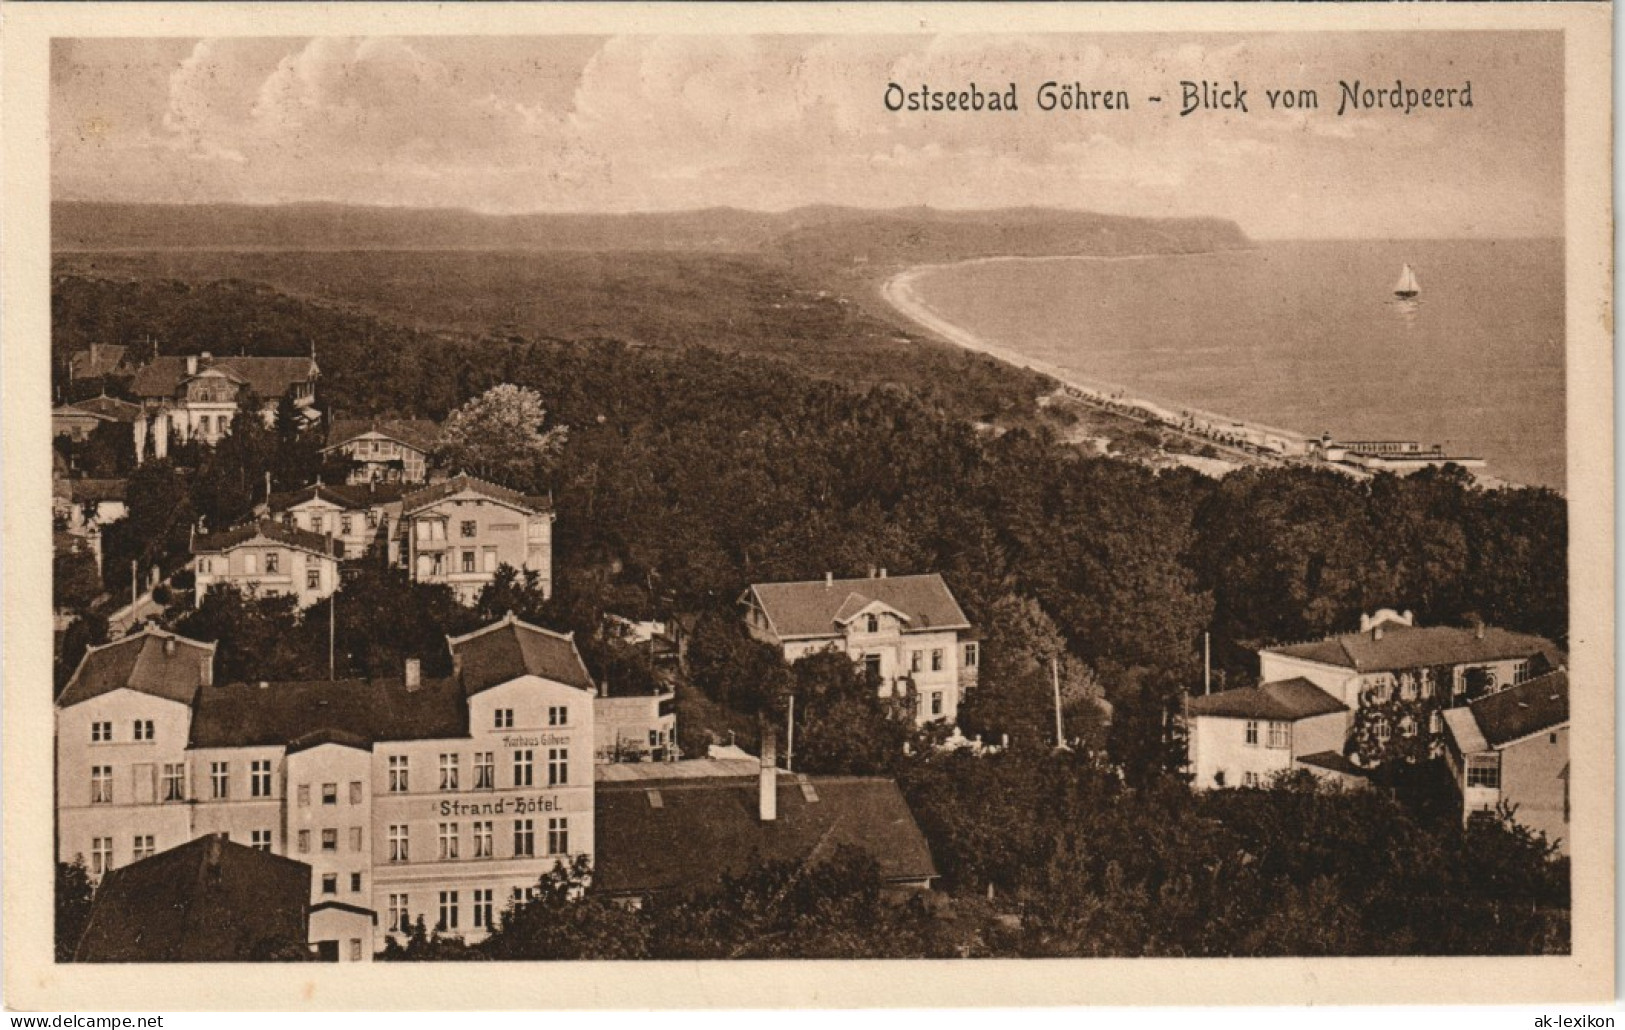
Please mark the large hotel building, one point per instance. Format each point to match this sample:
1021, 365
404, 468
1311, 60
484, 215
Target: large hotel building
435, 797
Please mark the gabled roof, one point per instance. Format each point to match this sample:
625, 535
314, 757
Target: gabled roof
434, 493
107, 409
97, 360
814, 607
1530, 707
270, 378
276, 532
358, 497
509, 648
152, 661
309, 713
208, 900
707, 827
1332, 761
1413, 647
419, 433
1277, 701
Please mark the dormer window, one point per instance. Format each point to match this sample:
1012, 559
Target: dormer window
871, 623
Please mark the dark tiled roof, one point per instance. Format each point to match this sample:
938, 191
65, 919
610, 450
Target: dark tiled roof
508, 649
208, 900
436, 492
82, 490
1408, 647
1280, 700
1334, 762
270, 378
358, 497
328, 735
274, 531
108, 409
704, 828
1530, 707
152, 661
420, 433
313, 712
810, 609
98, 360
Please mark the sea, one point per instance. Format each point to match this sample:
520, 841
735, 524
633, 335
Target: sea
1304, 335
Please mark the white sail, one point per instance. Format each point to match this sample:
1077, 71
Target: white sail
1407, 285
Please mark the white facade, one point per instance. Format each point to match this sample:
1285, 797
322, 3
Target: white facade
267, 565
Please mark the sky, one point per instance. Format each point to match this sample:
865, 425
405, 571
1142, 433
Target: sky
638, 123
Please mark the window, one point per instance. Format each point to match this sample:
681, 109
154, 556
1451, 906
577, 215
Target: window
1520, 673
346, 525
504, 718
523, 760
558, 836
259, 778
916, 661
101, 732
468, 561
330, 793
1218, 778
318, 523
1252, 732
1428, 682
260, 840
972, 655
1407, 727
355, 792
101, 855
205, 566
482, 908
524, 838
273, 562
330, 883
398, 774
448, 772
143, 848
219, 780
470, 529
558, 766
1407, 686
355, 883
448, 841
313, 579
1249, 779
372, 520
174, 781
654, 738
330, 839
304, 795
871, 623
304, 842
558, 715
101, 784
1484, 771
1280, 734
1436, 722
143, 729
448, 911
482, 840
936, 702
1381, 731
400, 914
399, 844
355, 838
438, 564
936, 659
485, 770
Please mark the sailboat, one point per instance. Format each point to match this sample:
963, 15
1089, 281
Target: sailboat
1407, 287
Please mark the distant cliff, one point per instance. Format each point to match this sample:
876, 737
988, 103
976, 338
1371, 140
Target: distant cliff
822, 233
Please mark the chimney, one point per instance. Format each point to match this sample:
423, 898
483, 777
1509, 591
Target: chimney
872, 571
1478, 631
205, 671
169, 647
767, 790
1376, 632
829, 579
882, 573
265, 685
191, 365
414, 674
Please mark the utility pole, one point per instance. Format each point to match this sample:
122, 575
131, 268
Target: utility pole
135, 591
790, 738
1055, 677
332, 607
1207, 663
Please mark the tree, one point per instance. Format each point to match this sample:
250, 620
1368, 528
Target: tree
512, 590
562, 920
76, 582
73, 901
843, 725
732, 667
499, 436
258, 636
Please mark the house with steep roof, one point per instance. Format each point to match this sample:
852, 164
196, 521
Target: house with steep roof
384, 450
1243, 738
207, 900
361, 519
97, 360
907, 631
79, 420
461, 530
195, 397
669, 836
441, 797
268, 559
1512, 748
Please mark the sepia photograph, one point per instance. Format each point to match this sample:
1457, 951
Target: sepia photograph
919, 492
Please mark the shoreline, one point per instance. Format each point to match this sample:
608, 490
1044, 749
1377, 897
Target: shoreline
1265, 443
